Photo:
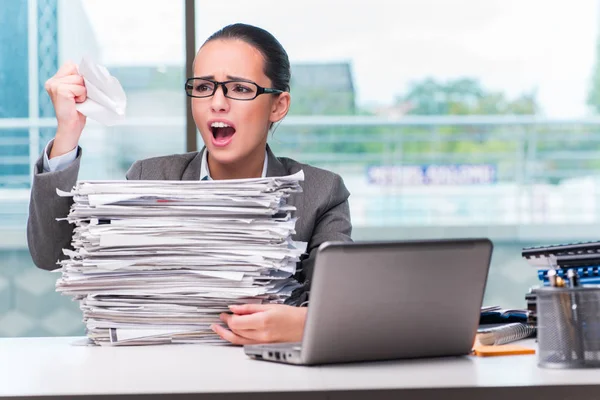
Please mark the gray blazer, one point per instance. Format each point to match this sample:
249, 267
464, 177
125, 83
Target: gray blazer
322, 208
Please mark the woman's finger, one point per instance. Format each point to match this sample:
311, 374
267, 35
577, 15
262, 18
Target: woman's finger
68, 68
249, 308
71, 79
75, 91
256, 331
256, 336
248, 321
230, 336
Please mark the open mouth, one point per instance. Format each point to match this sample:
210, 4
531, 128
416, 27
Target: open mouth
222, 133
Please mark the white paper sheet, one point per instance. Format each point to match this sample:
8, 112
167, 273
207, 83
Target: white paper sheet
106, 100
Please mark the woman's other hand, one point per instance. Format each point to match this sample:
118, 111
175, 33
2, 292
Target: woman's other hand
262, 323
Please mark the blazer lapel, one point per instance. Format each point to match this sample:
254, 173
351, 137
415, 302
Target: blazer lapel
275, 167
192, 171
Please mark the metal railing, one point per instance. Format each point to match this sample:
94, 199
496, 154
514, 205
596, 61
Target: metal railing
544, 170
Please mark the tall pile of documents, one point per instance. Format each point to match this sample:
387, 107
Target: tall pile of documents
158, 261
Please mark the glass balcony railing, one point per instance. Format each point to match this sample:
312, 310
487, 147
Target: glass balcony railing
412, 171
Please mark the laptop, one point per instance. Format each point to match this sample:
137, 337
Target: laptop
389, 300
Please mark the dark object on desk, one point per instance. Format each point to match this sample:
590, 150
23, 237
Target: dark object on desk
499, 316
569, 327
531, 300
563, 255
378, 301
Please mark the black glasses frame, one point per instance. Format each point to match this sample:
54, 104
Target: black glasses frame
189, 86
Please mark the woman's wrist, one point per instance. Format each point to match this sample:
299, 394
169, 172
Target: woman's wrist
64, 142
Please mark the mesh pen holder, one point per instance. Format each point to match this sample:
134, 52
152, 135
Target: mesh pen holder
568, 327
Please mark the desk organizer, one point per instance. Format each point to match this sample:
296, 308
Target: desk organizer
568, 327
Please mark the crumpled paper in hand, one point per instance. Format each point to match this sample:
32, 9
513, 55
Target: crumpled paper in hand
106, 100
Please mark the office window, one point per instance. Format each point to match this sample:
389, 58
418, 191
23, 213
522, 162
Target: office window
445, 118
145, 51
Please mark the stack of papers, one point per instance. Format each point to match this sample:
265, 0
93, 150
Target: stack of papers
158, 261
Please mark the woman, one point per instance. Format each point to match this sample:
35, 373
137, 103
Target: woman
239, 90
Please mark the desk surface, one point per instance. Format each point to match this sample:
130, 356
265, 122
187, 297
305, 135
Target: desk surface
31, 367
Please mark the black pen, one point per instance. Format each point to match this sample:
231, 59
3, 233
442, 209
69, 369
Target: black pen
574, 282
573, 278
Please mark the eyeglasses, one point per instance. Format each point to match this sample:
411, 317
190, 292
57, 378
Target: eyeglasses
237, 90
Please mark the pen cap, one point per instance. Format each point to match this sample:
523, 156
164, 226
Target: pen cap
568, 327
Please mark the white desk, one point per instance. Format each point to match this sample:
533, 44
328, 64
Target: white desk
52, 367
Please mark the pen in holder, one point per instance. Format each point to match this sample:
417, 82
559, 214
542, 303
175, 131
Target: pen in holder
568, 326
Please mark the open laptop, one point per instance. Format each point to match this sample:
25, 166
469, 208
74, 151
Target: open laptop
389, 300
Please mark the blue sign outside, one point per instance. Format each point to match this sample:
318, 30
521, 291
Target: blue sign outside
435, 174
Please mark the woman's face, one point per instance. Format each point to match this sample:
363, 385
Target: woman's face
234, 130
